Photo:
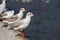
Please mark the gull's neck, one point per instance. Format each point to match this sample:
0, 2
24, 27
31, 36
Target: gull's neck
20, 13
28, 18
3, 2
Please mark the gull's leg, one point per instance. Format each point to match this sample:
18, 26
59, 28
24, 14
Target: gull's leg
23, 36
20, 32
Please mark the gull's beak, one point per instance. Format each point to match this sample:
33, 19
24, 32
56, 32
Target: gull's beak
34, 14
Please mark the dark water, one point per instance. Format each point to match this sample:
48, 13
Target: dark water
44, 26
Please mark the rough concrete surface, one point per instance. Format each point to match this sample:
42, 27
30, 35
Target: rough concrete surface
6, 34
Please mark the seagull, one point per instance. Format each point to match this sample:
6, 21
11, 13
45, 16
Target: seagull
25, 22
22, 24
16, 17
8, 14
3, 6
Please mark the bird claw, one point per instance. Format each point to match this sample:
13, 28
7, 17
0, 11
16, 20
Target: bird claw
21, 35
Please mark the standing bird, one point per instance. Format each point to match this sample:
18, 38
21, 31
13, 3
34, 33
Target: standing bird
25, 22
16, 17
22, 24
3, 6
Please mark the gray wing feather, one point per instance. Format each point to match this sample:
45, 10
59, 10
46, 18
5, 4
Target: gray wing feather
14, 25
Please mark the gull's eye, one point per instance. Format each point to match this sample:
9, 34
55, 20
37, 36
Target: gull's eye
30, 14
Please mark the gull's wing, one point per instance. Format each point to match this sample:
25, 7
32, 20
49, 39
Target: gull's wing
9, 12
16, 24
11, 19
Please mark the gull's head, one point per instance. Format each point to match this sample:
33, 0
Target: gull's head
30, 14
22, 9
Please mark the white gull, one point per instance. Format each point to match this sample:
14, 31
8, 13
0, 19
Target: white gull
16, 17
23, 23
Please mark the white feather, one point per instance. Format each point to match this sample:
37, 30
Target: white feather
8, 14
3, 6
17, 16
25, 22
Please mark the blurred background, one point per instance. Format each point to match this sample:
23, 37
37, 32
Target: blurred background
44, 26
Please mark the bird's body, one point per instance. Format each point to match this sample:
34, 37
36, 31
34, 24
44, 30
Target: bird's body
15, 18
24, 23
21, 24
